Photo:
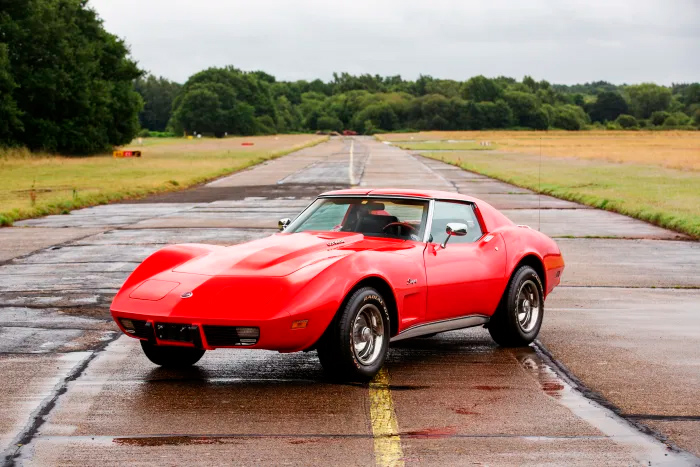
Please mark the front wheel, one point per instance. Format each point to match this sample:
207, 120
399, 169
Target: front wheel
356, 343
518, 319
170, 356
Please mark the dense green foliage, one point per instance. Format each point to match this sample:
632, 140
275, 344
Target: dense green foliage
66, 84
225, 100
219, 101
158, 95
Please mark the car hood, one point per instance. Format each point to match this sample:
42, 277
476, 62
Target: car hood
283, 254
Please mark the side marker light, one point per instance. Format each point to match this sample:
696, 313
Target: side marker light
300, 324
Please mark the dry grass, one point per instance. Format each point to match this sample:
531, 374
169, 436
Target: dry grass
672, 149
35, 184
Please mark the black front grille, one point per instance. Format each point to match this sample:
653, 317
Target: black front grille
177, 332
231, 336
141, 330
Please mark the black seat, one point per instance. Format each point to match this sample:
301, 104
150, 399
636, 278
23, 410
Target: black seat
373, 223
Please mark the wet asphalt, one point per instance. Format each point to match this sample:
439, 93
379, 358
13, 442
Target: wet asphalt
613, 379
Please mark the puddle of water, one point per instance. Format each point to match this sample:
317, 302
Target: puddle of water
645, 448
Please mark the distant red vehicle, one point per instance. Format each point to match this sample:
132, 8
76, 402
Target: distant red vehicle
349, 133
356, 270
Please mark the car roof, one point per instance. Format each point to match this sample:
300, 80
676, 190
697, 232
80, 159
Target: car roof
429, 194
492, 218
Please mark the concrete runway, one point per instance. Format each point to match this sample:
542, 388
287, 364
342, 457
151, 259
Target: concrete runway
613, 380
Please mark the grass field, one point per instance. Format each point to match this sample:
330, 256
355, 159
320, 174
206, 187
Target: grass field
653, 176
446, 146
672, 149
32, 185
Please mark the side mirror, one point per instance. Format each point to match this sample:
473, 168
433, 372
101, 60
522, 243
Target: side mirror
454, 228
283, 223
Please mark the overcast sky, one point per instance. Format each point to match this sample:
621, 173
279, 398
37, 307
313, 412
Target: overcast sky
562, 41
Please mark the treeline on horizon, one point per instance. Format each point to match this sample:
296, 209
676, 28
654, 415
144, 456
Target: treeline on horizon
68, 86
220, 101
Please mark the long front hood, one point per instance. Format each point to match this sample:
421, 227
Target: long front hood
210, 298
278, 255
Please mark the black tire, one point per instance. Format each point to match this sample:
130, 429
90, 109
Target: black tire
337, 351
509, 326
170, 356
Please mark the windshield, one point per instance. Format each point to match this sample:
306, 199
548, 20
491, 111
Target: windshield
373, 217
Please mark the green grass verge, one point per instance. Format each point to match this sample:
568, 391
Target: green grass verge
38, 185
665, 197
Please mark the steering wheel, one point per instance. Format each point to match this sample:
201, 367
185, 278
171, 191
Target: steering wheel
412, 229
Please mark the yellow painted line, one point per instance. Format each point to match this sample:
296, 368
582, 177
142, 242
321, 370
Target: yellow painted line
385, 428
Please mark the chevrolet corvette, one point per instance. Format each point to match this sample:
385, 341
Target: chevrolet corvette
355, 271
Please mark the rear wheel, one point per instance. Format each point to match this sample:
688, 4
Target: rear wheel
170, 356
355, 344
518, 319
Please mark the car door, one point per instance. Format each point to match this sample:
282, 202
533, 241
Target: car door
468, 275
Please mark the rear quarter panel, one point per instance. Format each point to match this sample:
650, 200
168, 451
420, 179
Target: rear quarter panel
523, 241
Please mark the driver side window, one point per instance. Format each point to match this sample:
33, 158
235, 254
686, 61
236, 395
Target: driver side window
446, 212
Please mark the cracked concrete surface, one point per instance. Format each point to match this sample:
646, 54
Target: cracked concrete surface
618, 322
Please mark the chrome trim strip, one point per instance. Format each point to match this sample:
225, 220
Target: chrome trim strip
429, 222
442, 326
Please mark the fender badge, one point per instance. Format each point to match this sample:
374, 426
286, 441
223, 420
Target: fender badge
335, 242
186, 295
411, 281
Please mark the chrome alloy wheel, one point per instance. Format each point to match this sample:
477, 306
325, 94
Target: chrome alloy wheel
528, 305
368, 334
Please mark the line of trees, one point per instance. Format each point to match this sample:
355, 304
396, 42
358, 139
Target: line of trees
66, 84
220, 101
69, 86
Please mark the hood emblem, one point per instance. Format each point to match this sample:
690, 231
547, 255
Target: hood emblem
335, 242
186, 295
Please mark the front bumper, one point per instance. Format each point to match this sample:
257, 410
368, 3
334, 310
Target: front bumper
210, 308
274, 334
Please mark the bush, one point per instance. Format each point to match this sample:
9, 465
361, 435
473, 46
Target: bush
607, 106
329, 123
266, 125
626, 121
676, 120
659, 117
162, 134
682, 118
569, 117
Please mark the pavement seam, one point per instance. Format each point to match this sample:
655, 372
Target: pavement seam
408, 434
434, 172
38, 418
60, 245
564, 372
668, 418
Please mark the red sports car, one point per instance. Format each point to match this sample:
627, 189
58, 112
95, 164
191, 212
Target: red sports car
356, 270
